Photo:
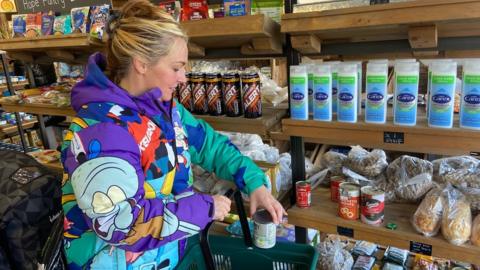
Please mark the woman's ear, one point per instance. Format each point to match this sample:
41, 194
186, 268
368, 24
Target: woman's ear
139, 66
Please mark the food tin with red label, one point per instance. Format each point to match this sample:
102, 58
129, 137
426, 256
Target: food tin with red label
335, 182
349, 202
304, 194
372, 205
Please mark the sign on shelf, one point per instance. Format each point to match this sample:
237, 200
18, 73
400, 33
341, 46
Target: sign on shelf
62, 6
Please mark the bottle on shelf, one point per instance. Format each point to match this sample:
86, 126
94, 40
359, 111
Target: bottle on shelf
299, 92
322, 93
442, 95
376, 85
470, 103
347, 93
406, 93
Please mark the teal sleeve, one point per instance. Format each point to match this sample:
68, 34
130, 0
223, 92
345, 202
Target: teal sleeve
216, 153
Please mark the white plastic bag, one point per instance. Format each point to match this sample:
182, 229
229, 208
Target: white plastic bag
333, 256
457, 217
428, 216
369, 164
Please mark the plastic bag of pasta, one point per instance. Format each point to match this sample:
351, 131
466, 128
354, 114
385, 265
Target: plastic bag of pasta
368, 164
428, 216
457, 216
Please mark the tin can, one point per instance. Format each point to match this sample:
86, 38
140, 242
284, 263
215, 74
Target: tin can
213, 85
349, 201
197, 83
252, 101
232, 94
304, 194
264, 230
335, 182
185, 94
372, 205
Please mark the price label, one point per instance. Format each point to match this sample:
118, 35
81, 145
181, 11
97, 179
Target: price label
393, 137
348, 232
421, 248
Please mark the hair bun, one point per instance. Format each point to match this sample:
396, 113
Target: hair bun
138, 8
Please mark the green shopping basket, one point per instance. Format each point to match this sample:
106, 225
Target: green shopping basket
205, 252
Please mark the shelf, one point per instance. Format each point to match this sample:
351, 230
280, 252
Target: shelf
11, 129
425, 25
254, 34
68, 48
322, 215
260, 126
16, 86
42, 109
419, 138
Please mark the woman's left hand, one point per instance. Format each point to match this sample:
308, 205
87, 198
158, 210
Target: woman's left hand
262, 198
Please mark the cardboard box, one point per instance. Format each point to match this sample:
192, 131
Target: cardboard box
272, 171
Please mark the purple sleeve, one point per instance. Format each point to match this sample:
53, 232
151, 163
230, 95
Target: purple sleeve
103, 163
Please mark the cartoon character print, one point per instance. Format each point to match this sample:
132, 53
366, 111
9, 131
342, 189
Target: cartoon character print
157, 157
169, 225
95, 184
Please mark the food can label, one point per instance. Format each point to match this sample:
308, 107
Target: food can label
349, 203
304, 194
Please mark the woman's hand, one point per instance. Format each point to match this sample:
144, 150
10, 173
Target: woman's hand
262, 198
221, 204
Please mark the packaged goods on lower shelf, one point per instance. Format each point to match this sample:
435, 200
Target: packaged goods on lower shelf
333, 256
333, 161
475, 239
428, 216
410, 177
369, 164
460, 171
457, 217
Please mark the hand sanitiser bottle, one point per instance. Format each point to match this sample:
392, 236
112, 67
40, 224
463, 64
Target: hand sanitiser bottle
442, 94
322, 93
376, 84
347, 93
406, 93
298, 92
470, 103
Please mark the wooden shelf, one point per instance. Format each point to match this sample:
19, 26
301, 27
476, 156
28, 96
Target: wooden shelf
11, 129
419, 138
71, 48
422, 24
260, 126
16, 86
322, 215
42, 109
254, 34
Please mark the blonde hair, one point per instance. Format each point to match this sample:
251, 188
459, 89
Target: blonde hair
140, 29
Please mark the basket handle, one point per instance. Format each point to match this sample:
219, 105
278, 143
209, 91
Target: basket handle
205, 246
243, 219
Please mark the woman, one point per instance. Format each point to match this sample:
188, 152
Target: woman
128, 199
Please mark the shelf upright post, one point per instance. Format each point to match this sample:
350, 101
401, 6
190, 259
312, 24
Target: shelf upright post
41, 121
297, 147
18, 119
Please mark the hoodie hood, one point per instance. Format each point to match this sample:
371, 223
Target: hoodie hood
97, 88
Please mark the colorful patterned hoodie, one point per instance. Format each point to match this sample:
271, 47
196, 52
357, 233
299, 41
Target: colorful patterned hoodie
128, 198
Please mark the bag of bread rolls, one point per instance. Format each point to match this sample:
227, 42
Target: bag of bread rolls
428, 216
476, 232
457, 216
